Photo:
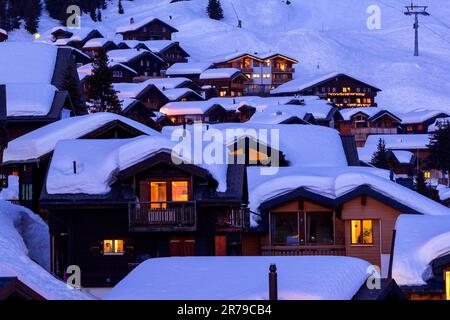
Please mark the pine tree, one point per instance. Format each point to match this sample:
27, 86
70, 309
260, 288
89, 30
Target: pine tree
439, 149
31, 13
121, 11
424, 188
102, 97
379, 157
214, 10
71, 85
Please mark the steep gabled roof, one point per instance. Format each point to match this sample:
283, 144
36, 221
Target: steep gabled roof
137, 25
129, 55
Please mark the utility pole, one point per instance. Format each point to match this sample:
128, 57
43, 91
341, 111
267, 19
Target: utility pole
416, 11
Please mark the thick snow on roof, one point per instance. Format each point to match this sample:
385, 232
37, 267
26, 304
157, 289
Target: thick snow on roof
3, 31
27, 62
419, 240
175, 94
137, 24
29, 99
86, 70
304, 82
167, 83
125, 55
187, 68
98, 162
333, 183
418, 116
129, 90
24, 242
277, 114
403, 156
444, 192
242, 278
347, 114
186, 107
438, 123
157, 46
261, 103
220, 73
98, 42
43, 140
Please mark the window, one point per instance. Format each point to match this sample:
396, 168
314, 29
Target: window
346, 89
256, 75
285, 229
113, 247
427, 175
409, 128
319, 228
420, 127
266, 75
447, 284
158, 194
179, 191
117, 74
362, 232
222, 93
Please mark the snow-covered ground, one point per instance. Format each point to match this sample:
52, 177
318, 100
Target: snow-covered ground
243, 278
25, 253
325, 36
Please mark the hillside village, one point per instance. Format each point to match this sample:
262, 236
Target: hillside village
316, 167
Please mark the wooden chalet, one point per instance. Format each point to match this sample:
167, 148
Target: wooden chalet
418, 122
343, 90
190, 112
138, 111
154, 209
94, 46
80, 57
144, 62
266, 71
32, 170
147, 29
190, 70
224, 82
362, 122
170, 51
12, 289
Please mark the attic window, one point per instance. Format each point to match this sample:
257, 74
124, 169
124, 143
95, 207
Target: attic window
113, 247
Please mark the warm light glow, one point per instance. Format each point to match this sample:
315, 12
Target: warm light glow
447, 285
427, 174
113, 247
180, 191
362, 231
158, 193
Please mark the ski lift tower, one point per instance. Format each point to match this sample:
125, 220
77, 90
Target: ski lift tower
416, 11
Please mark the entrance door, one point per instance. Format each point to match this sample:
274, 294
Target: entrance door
182, 247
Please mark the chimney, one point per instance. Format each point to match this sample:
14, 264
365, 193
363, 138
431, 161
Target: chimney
131, 20
74, 167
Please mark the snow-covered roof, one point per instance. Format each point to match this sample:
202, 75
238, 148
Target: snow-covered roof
177, 93
347, 114
419, 116
43, 140
99, 161
126, 55
261, 103
25, 253
167, 83
255, 55
2, 31
158, 46
186, 107
333, 183
305, 82
188, 68
444, 192
438, 123
98, 42
27, 62
242, 278
393, 142
138, 24
220, 73
129, 90
403, 157
276, 114
419, 240
86, 70
29, 99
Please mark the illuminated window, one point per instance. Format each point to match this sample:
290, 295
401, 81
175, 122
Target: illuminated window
362, 231
427, 174
420, 127
113, 247
222, 93
266, 75
158, 194
346, 89
409, 128
447, 284
256, 75
256, 156
179, 191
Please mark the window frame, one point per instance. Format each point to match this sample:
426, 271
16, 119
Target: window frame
113, 241
169, 181
362, 223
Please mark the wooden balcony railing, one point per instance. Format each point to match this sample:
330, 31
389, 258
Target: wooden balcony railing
331, 250
285, 70
162, 216
234, 218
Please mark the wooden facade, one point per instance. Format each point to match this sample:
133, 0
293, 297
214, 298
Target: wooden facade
153, 218
153, 30
146, 64
420, 127
226, 87
171, 54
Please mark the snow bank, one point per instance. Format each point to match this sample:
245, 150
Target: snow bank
242, 278
25, 253
419, 240
43, 140
12, 192
29, 99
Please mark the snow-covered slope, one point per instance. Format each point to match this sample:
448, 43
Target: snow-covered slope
333, 35
25, 253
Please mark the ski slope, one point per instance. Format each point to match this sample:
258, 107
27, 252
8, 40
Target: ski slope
324, 35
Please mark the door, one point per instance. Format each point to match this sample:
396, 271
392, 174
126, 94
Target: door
221, 246
182, 247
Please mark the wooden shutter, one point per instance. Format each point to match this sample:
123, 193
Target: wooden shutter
221, 246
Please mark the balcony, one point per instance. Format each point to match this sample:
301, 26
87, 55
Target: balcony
331, 250
285, 70
234, 218
162, 216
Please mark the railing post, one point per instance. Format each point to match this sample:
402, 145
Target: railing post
273, 282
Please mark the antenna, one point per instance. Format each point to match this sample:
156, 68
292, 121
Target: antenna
239, 25
416, 10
